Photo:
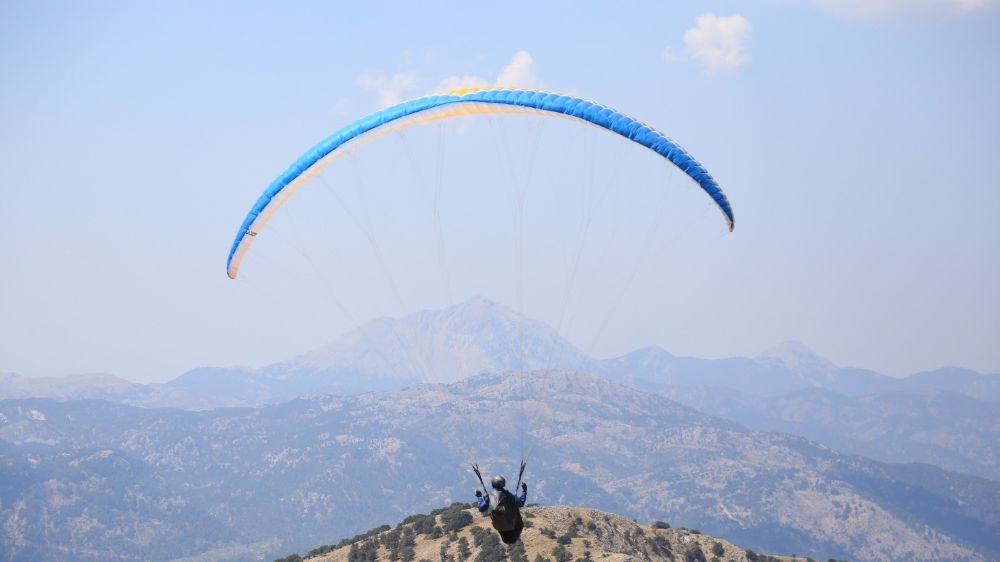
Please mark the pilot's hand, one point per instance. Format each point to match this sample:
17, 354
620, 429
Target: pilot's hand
479, 493
524, 486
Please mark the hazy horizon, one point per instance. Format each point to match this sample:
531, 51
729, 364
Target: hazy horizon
794, 344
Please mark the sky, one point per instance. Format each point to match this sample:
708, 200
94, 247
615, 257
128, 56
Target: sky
856, 140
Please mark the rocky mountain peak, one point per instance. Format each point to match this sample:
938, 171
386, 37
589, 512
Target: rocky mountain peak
480, 306
795, 355
446, 345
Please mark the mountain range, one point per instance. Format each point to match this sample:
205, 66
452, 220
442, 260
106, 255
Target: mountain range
95, 480
949, 417
479, 335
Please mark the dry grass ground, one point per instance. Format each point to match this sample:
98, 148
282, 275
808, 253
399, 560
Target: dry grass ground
581, 532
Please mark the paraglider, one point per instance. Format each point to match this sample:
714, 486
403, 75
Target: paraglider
457, 103
502, 506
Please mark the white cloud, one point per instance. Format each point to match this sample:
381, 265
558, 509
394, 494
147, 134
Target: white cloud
461, 83
391, 90
716, 42
520, 73
886, 9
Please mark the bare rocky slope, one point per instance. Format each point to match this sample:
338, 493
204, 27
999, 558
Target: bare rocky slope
949, 418
93, 480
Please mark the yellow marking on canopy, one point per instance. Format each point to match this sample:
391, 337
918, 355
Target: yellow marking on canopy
461, 92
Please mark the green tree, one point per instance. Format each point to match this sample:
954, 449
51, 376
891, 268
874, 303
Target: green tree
406, 549
694, 554
390, 539
445, 556
516, 552
491, 550
478, 535
366, 551
422, 524
454, 520
463, 549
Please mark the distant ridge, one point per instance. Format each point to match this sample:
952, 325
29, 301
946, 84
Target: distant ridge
954, 419
101, 386
481, 335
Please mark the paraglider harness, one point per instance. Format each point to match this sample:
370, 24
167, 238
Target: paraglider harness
504, 513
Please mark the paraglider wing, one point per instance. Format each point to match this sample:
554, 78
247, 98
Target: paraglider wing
465, 102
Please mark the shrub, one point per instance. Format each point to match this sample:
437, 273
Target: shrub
561, 554
694, 554
478, 535
366, 551
320, 550
405, 549
516, 552
660, 545
491, 549
391, 539
422, 524
463, 548
454, 519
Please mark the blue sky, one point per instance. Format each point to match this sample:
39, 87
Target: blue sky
856, 140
